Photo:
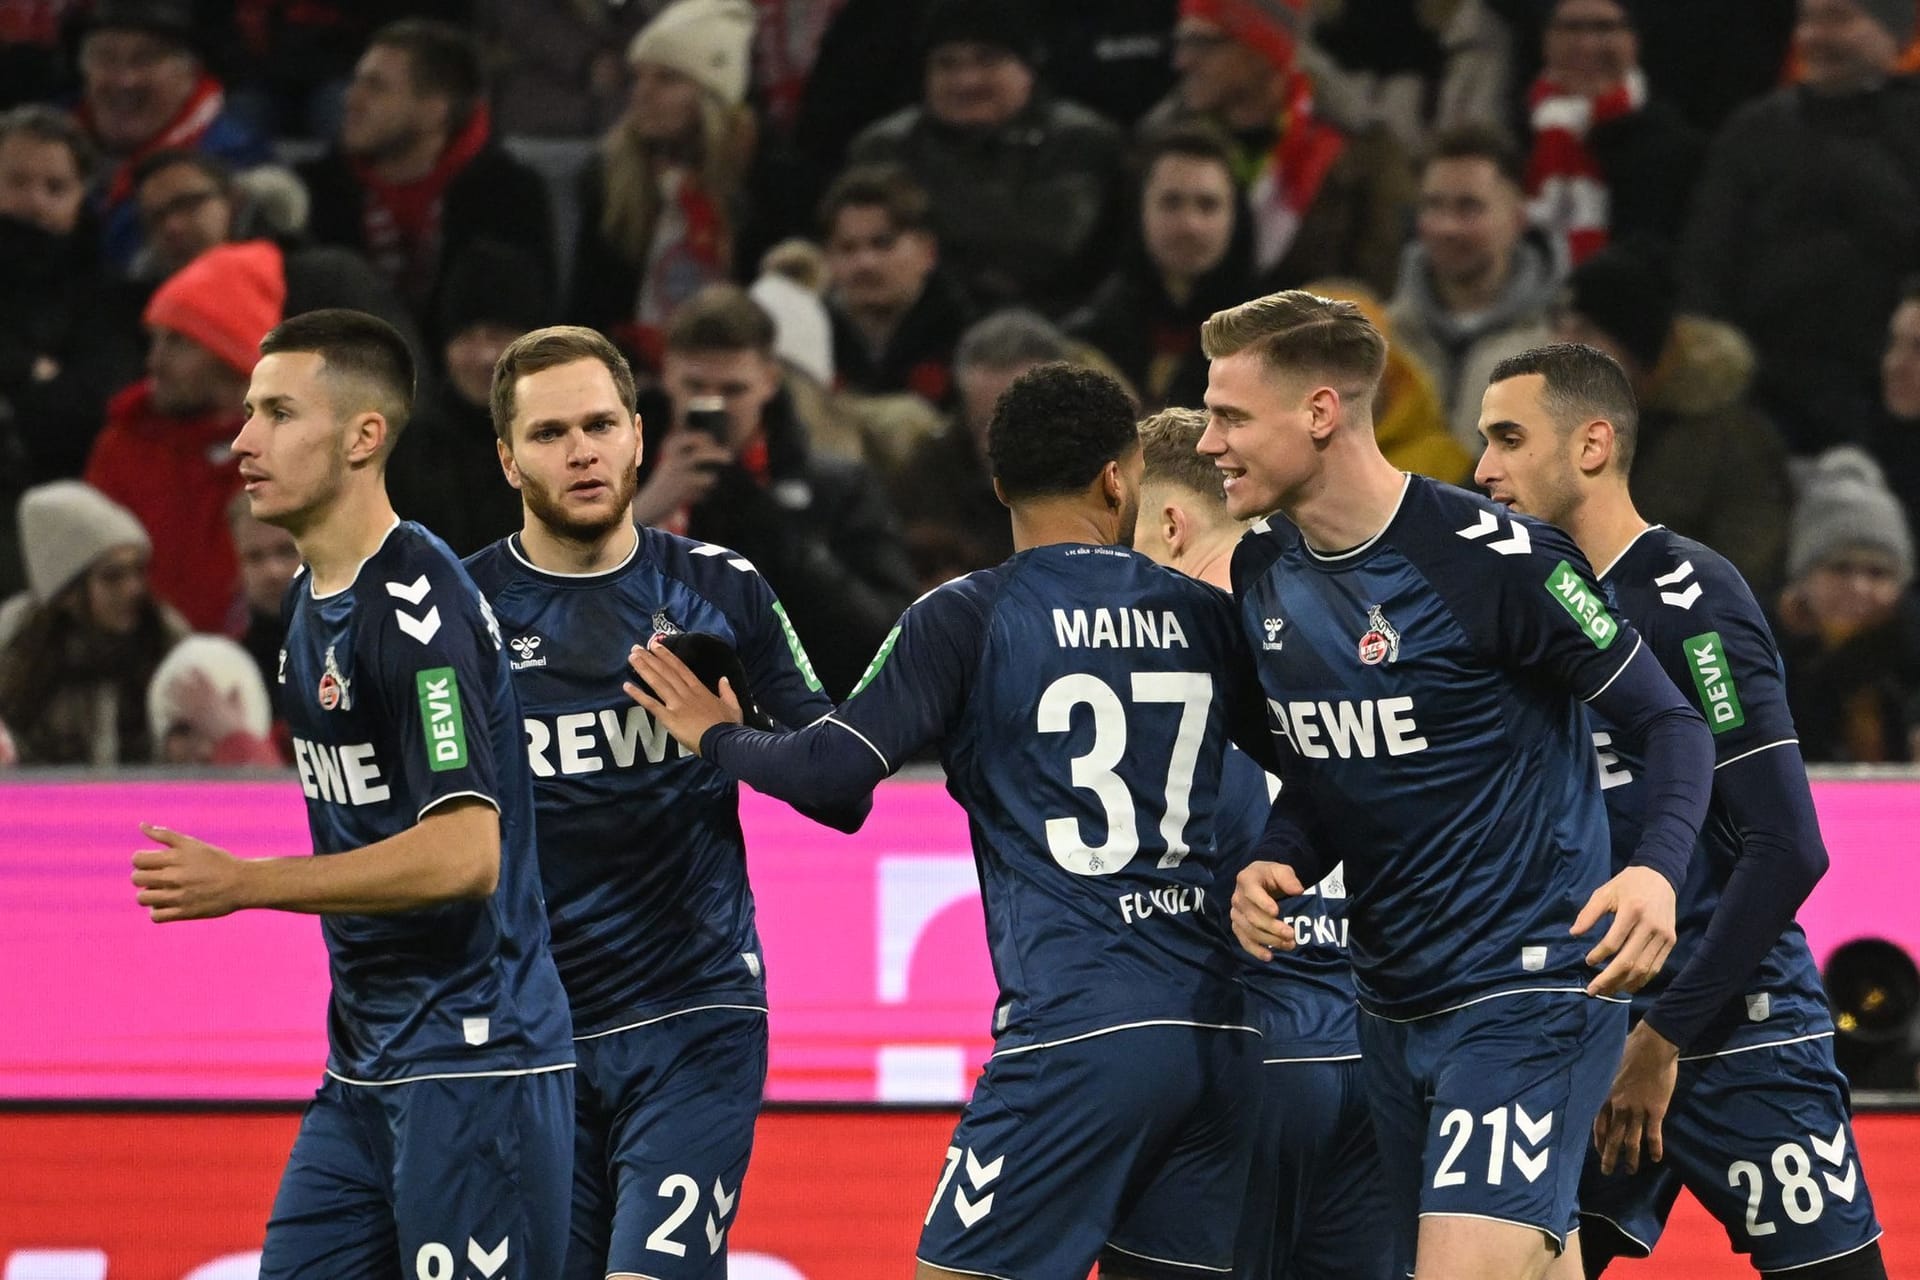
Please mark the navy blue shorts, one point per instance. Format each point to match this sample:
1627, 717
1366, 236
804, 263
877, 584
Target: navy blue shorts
1129, 1143
432, 1179
1764, 1139
1487, 1111
1314, 1198
666, 1113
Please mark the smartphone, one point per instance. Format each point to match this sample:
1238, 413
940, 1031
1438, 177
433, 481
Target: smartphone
708, 414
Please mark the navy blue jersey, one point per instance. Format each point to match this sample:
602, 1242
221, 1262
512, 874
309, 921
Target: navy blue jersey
640, 847
1428, 685
397, 694
1701, 621
1081, 697
1302, 1000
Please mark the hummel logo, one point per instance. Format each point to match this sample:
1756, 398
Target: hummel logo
1274, 626
1517, 544
1684, 598
526, 647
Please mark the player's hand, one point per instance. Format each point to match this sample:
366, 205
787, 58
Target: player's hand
187, 879
679, 701
689, 464
1642, 1089
1641, 902
1257, 891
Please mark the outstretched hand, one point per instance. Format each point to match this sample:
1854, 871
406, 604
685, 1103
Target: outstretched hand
677, 699
186, 879
1257, 892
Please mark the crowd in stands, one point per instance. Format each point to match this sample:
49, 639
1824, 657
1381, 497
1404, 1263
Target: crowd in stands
828, 233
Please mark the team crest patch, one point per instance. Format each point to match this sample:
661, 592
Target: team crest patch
663, 625
334, 693
1381, 643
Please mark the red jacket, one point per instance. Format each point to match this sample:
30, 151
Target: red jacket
178, 476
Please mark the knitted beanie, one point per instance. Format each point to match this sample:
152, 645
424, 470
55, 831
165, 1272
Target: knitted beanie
226, 300
67, 525
708, 41
1271, 28
1004, 24
1847, 504
226, 665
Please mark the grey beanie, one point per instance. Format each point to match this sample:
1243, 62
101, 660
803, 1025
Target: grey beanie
1847, 504
64, 527
1897, 16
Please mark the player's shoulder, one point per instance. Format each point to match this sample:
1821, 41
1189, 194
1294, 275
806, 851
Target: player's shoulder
492, 566
1260, 548
415, 585
718, 573
1443, 524
1680, 573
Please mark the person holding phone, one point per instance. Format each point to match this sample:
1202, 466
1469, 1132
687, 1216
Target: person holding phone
727, 461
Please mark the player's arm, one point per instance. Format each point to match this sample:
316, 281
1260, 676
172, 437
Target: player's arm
911, 692
453, 852
1286, 859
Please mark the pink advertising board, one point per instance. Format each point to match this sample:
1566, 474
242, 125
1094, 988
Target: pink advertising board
877, 966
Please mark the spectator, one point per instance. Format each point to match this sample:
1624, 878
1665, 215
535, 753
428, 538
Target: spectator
79, 648
191, 202
164, 452
1896, 437
1808, 216
1693, 377
954, 521
445, 471
1410, 66
896, 314
268, 562
1320, 201
1408, 420
1188, 260
1475, 285
1609, 160
417, 175
1026, 187
68, 334
662, 207
820, 529
791, 288
143, 87
207, 705
562, 69
34, 61
1849, 628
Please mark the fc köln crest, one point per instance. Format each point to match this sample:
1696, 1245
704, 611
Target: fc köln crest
1381, 643
334, 694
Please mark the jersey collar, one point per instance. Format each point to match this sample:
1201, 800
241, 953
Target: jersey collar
513, 546
1341, 557
381, 545
1602, 574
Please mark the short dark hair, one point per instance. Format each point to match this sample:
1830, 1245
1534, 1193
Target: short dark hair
1479, 142
888, 187
720, 318
354, 348
1011, 338
214, 169
443, 59
550, 348
1170, 439
1582, 383
1056, 427
1192, 140
43, 123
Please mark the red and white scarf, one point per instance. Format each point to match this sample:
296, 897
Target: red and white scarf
400, 221
1290, 176
1567, 192
189, 124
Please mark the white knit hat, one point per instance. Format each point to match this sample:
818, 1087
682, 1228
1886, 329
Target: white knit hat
226, 665
708, 41
64, 527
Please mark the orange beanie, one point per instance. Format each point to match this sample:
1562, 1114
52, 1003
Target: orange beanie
226, 299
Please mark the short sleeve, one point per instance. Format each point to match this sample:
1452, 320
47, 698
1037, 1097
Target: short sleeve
437, 655
915, 688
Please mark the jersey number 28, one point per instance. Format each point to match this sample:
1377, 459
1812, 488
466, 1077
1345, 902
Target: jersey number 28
1094, 771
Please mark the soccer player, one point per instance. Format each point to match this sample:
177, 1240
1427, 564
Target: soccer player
440, 1143
1081, 697
640, 847
1728, 1085
1427, 657
1314, 1199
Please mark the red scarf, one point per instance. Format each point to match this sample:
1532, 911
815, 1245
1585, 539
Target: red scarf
400, 222
677, 266
1567, 192
189, 124
1290, 176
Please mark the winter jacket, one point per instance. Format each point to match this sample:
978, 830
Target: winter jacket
178, 476
918, 356
1853, 700
1805, 222
1027, 213
1461, 356
1708, 464
819, 529
445, 473
1650, 161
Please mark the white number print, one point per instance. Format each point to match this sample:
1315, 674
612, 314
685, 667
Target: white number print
434, 1261
1527, 1151
682, 1188
1802, 1197
1193, 693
